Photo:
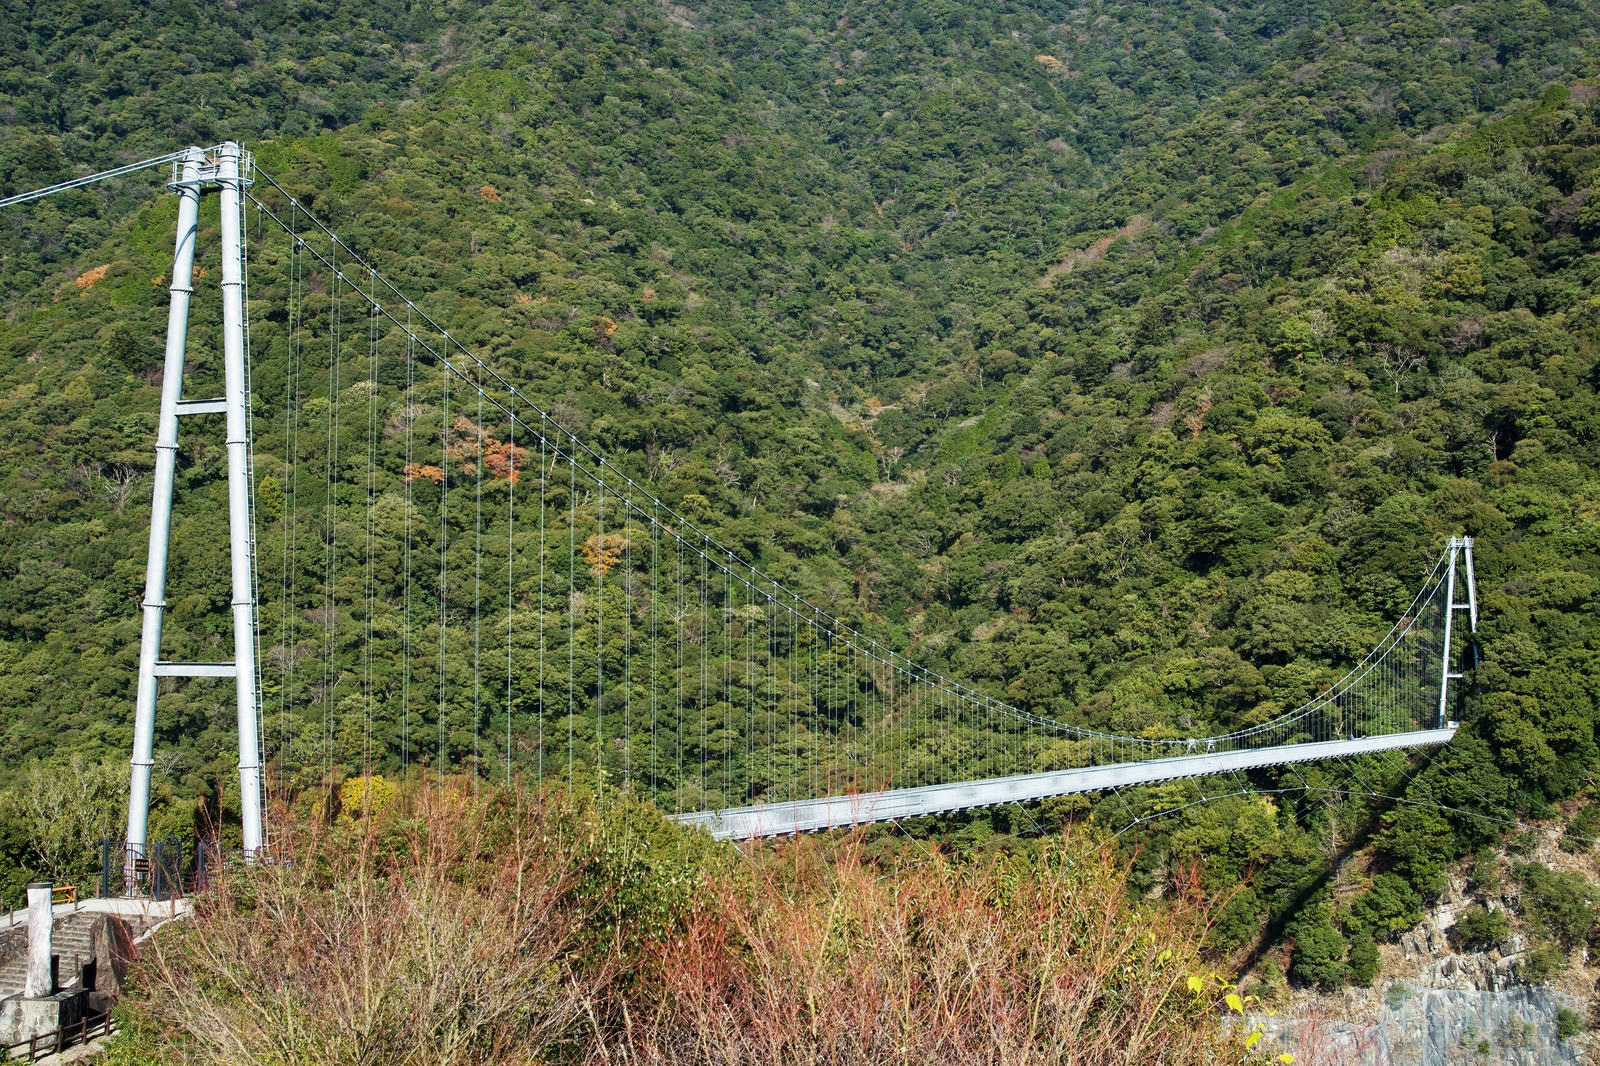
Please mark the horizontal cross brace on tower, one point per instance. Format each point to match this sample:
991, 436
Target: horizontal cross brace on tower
203, 407
166, 669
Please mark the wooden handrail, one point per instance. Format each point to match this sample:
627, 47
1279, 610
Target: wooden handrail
63, 894
79, 1032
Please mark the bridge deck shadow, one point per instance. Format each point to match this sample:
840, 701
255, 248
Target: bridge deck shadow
1275, 928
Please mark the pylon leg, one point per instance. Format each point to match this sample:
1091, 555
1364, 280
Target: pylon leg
241, 536
155, 587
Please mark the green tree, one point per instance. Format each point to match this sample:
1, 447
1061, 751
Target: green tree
70, 809
1319, 949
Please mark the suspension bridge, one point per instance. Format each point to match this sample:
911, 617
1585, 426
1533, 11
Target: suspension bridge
428, 570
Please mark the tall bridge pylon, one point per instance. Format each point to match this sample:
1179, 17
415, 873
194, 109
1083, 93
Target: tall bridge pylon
222, 170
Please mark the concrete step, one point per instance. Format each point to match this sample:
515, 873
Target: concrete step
66, 957
63, 952
84, 947
69, 940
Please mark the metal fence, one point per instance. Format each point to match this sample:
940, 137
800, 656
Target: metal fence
160, 870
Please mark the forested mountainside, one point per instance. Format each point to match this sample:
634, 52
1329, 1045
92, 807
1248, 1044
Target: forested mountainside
1132, 362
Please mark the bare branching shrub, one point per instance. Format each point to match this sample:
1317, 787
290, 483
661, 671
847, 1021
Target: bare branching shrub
498, 929
825, 961
442, 937
1314, 1037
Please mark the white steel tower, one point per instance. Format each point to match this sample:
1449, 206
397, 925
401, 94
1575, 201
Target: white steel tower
224, 169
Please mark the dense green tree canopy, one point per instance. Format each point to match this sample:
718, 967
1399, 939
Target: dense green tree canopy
1129, 362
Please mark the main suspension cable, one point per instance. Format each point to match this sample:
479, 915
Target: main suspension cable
90, 179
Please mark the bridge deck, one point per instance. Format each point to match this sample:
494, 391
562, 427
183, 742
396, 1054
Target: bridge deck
837, 812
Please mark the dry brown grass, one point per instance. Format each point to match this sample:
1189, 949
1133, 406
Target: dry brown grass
825, 959
502, 930
441, 939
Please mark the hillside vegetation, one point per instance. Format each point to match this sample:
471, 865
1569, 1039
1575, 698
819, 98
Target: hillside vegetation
1129, 362
512, 928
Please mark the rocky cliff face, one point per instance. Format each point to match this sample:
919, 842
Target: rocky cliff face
1435, 1006
1438, 1027
1510, 1026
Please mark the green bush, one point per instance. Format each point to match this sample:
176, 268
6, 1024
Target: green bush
1363, 961
1582, 831
1542, 963
1478, 926
1390, 905
1562, 905
1569, 1023
1319, 950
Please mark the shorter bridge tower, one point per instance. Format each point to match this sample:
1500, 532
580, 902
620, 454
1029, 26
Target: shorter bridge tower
1453, 667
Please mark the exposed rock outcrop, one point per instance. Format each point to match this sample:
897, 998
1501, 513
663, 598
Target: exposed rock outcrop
1438, 1027
1435, 1005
